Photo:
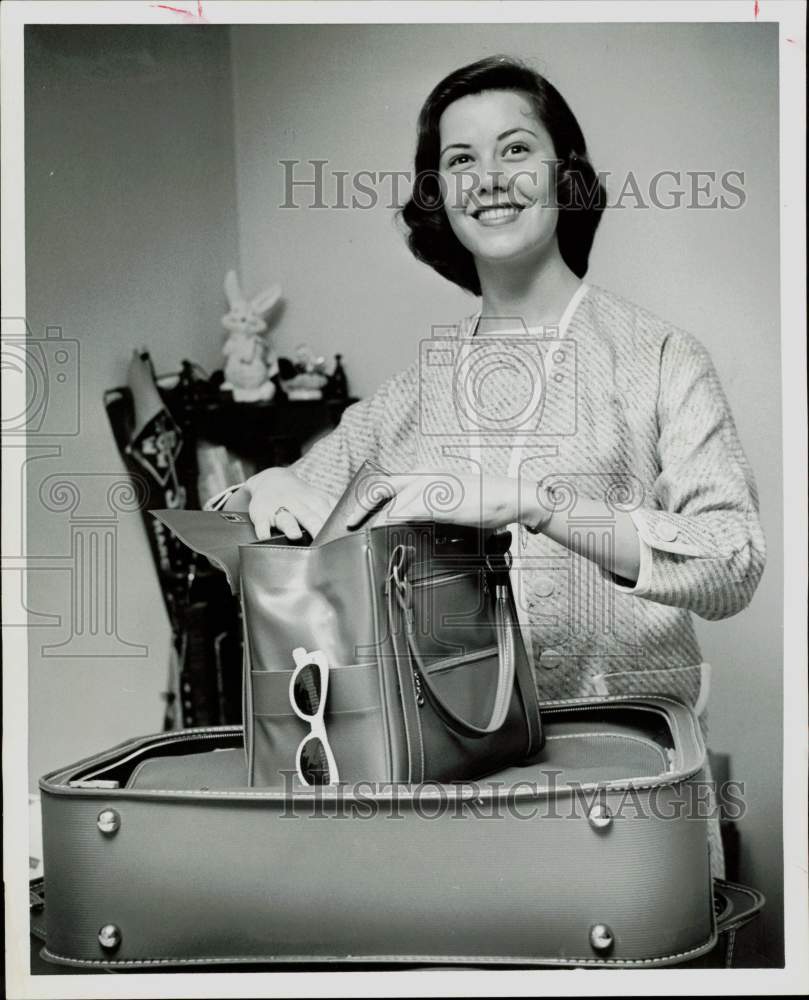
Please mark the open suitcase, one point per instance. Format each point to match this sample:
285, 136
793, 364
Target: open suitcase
157, 854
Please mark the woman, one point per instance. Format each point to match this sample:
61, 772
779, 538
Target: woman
598, 432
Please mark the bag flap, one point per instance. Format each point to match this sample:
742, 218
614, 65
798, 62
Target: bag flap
215, 534
363, 492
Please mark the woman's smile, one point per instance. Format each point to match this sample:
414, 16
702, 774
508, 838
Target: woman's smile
497, 215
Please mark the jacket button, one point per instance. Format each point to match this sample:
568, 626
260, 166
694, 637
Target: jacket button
549, 659
666, 532
544, 586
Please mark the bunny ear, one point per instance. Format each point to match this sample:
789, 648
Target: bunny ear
232, 290
264, 301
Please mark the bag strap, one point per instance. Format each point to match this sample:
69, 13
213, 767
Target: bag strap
504, 630
411, 695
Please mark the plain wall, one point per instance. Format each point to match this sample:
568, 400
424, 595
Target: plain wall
130, 227
648, 98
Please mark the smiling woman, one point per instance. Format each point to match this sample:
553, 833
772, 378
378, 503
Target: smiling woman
498, 133
598, 433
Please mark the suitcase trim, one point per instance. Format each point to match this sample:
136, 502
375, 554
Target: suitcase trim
57, 782
429, 959
726, 920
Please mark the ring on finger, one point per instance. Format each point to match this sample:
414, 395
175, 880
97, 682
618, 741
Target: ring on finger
278, 511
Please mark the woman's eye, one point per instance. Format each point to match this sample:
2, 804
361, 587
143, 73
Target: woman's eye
516, 147
459, 160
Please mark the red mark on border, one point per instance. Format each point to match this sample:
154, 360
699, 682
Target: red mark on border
193, 15
755, 9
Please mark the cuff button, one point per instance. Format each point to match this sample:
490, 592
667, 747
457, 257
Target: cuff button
544, 586
666, 532
550, 659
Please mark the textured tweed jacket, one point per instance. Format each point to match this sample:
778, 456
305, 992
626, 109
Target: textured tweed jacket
615, 405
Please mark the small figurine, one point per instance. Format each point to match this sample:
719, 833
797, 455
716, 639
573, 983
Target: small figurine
249, 366
308, 375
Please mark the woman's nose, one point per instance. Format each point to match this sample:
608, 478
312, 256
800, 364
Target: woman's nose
492, 175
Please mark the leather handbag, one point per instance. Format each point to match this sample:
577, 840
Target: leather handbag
429, 678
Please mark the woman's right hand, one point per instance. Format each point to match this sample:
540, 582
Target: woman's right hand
264, 494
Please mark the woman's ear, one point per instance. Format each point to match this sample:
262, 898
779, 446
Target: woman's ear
233, 291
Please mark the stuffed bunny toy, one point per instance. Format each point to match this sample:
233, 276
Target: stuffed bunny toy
248, 368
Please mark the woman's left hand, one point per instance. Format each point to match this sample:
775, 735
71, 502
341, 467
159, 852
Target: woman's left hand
454, 497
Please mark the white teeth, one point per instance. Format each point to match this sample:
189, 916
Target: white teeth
498, 213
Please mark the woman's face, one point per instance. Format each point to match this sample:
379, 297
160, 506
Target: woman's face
496, 168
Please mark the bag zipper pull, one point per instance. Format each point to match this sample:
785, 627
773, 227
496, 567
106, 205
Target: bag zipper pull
417, 685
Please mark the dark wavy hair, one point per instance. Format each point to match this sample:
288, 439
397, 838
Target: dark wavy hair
580, 195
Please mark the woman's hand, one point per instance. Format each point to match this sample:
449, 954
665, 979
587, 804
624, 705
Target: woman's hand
280, 499
489, 502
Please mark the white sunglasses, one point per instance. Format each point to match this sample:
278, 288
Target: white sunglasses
308, 690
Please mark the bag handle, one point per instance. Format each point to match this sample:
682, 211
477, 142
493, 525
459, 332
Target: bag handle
506, 654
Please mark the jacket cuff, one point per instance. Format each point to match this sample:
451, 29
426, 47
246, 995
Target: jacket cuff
643, 584
662, 534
